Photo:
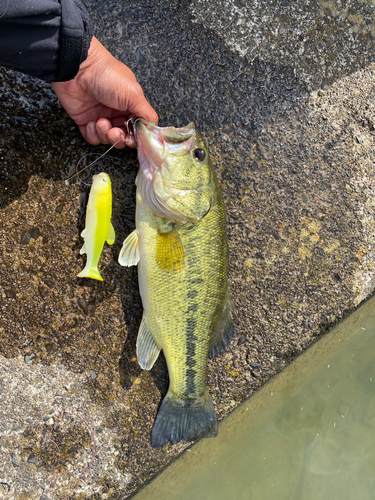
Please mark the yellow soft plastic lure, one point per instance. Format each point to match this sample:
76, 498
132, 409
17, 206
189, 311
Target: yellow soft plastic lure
98, 227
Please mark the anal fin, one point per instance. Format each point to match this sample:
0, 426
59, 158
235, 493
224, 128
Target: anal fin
225, 329
147, 350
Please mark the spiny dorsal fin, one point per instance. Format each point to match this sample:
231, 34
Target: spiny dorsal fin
225, 329
130, 252
170, 252
147, 350
111, 235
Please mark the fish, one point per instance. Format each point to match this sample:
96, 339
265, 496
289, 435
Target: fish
180, 246
98, 227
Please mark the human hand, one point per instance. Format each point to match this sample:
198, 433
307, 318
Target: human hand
102, 96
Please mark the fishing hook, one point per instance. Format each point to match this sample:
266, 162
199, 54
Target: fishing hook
133, 130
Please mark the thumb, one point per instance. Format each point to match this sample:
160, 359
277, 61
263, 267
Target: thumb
139, 107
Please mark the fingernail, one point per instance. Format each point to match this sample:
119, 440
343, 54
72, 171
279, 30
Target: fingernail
103, 127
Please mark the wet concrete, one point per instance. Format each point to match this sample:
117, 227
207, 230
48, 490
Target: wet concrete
284, 95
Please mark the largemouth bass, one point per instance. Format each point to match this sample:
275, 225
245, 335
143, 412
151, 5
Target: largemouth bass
180, 246
98, 228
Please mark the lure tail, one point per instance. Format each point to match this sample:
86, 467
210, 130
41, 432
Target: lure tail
90, 272
184, 419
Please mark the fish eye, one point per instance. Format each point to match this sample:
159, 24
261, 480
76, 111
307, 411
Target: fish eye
199, 154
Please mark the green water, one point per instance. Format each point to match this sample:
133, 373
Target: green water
307, 435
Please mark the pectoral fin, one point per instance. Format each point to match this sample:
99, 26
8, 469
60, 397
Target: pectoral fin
170, 252
225, 329
147, 350
130, 252
111, 235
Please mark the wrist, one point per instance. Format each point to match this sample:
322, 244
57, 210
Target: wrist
96, 56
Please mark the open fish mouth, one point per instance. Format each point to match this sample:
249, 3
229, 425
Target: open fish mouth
172, 182
155, 143
169, 135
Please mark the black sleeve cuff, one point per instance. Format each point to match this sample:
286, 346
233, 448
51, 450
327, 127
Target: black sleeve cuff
75, 37
47, 39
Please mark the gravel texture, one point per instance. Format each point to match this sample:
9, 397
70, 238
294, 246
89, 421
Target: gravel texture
284, 95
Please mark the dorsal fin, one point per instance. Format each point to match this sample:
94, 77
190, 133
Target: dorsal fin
225, 329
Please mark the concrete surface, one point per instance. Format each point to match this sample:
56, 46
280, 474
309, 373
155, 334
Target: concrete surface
284, 94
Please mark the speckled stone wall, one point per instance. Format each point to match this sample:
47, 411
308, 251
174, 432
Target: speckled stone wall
284, 95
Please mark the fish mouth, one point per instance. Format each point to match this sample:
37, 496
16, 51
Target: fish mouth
168, 135
155, 143
157, 148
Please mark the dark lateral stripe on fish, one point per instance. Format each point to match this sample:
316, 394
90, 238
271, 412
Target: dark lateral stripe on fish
196, 281
192, 294
193, 308
190, 383
191, 325
191, 339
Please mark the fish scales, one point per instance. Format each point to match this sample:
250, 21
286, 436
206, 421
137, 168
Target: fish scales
180, 246
192, 299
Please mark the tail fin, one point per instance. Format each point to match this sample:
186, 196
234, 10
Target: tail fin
90, 272
184, 419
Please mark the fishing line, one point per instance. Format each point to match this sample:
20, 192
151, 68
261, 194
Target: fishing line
131, 132
58, 449
93, 163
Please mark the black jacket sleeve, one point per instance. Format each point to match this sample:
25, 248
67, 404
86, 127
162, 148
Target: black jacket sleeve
47, 39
